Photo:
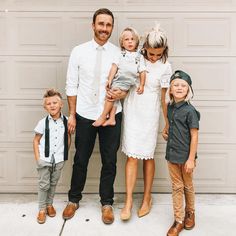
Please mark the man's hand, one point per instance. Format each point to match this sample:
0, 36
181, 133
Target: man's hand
71, 123
115, 94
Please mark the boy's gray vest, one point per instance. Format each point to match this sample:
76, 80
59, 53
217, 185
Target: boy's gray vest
47, 133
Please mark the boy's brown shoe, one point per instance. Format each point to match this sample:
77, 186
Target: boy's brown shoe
69, 211
51, 211
107, 214
189, 220
175, 229
41, 218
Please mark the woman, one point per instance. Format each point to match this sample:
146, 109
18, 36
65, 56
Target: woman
141, 120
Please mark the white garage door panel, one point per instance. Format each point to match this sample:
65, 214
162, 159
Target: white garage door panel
31, 76
215, 168
36, 40
23, 116
200, 34
217, 124
18, 171
3, 167
46, 33
213, 77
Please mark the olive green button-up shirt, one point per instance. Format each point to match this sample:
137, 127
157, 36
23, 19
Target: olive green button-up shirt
182, 117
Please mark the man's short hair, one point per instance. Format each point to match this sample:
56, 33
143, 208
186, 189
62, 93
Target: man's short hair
103, 11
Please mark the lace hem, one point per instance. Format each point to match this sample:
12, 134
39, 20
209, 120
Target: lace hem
137, 156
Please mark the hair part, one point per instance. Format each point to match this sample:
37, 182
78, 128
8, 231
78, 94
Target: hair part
156, 38
103, 11
134, 34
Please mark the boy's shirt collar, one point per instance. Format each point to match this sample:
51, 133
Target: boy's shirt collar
50, 117
179, 104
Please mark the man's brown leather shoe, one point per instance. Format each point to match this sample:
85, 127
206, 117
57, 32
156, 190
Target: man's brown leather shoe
175, 229
107, 214
189, 221
51, 211
69, 211
41, 218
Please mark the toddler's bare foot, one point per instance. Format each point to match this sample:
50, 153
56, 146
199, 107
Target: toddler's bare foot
100, 121
110, 122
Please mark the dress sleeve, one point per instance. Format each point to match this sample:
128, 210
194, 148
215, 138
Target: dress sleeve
40, 127
165, 78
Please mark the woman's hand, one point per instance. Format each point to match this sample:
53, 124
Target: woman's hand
71, 123
140, 89
165, 132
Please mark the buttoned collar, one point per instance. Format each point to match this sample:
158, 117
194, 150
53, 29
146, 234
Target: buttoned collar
50, 117
96, 45
179, 104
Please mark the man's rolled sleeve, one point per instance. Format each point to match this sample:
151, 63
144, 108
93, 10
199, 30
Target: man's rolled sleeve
72, 79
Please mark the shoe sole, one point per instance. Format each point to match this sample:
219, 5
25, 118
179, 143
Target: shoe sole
51, 215
108, 222
189, 228
41, 222
67, 217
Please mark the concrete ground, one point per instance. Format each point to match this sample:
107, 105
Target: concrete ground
215, 216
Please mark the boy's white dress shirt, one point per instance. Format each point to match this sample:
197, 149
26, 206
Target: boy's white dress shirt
56, 139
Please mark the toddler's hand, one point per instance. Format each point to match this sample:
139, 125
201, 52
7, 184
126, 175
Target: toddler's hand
108, 85
140, 89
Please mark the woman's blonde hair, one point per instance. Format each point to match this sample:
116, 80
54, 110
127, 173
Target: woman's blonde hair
133, 32
170, 97
156, 38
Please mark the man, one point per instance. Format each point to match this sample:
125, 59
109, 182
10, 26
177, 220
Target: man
87, 74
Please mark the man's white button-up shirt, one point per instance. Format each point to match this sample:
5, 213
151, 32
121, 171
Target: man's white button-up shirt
80, 77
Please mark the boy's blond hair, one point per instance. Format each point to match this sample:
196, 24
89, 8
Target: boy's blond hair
51, 93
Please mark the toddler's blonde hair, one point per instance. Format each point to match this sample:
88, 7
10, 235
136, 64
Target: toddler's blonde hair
134, 33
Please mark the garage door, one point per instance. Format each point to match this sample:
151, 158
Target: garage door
36, 38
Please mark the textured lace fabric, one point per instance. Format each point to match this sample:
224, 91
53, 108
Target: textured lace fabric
141, 114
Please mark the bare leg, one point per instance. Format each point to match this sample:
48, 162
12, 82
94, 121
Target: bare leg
131, 170
148, 175
112, 117
102, 118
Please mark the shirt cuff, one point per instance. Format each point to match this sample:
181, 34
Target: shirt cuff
71, 91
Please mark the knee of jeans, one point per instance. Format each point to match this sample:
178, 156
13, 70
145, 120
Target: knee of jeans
44, 186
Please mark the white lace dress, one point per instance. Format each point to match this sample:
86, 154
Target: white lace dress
141, 113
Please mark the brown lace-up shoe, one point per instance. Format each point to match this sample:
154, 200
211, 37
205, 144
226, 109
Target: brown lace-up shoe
107, 214
51, 211
41, 218
189, 221
69, 211
175, 229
